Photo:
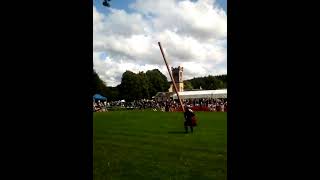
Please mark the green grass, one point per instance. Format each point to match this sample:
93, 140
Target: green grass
152, 145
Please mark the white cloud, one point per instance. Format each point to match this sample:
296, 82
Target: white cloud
111, 70
193, 34
201, 19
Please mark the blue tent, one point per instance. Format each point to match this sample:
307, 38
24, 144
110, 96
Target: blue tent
99, 97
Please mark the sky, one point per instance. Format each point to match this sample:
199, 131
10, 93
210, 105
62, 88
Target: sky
193, 34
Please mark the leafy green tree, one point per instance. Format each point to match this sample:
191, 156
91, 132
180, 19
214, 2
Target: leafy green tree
187, 85
99, 86
143, 85
157, 82
209, 82
129, 89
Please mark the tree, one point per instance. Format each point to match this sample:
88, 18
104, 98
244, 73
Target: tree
99, 86
113, 93
128, 87
143, 85
187, 85
157, 82
209, 82
198, 82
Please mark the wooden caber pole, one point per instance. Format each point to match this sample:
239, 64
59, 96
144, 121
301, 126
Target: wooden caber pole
174, 83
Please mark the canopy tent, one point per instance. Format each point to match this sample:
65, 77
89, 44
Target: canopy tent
213, 94
99, 97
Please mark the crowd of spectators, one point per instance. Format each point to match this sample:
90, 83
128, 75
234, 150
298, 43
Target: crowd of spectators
215, 105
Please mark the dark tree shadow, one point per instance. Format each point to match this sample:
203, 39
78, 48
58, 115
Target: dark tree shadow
177, 132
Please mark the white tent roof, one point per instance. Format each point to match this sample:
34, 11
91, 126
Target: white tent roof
220, 93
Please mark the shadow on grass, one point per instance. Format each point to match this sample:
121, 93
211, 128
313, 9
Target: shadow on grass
177, 132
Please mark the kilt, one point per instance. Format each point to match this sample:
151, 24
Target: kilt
194, 121
191, 122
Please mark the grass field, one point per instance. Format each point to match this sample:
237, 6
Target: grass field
153, 145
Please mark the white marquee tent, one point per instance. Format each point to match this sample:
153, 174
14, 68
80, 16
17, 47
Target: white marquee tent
213, 94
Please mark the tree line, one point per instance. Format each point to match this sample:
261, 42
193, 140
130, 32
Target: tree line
135, 86
208, 82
